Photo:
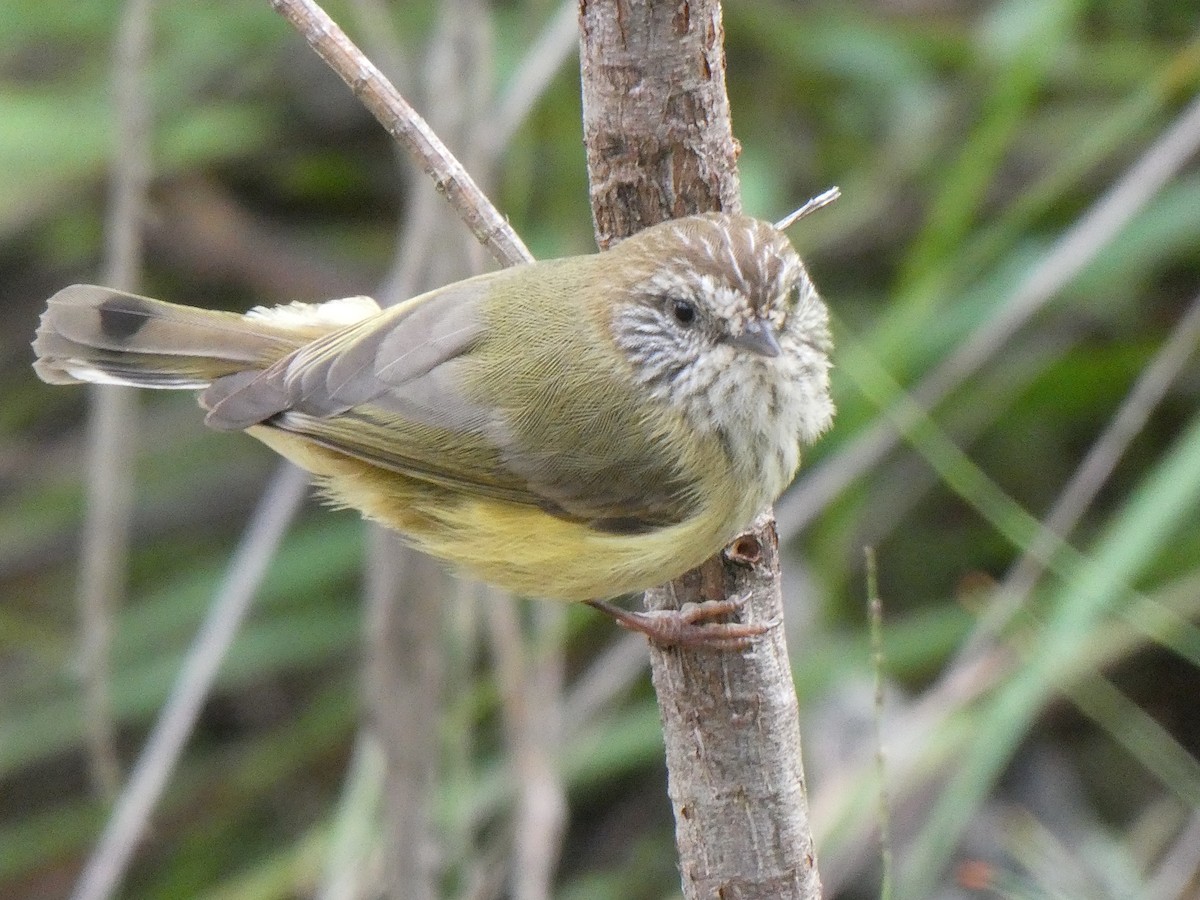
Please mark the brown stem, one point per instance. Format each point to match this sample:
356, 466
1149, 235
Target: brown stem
404, 670
403, 123
113, 410
660, 145
655, 114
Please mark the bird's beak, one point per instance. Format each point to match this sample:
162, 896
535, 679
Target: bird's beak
759, 337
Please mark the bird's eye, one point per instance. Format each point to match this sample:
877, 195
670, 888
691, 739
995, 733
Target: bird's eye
683, 311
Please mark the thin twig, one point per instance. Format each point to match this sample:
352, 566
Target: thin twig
125, 827
810, 206
131, 161
105, 549
875, 611
403, 123
1077, 247
103, 562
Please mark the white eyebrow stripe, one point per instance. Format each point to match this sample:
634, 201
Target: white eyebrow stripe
684, 238
741, 277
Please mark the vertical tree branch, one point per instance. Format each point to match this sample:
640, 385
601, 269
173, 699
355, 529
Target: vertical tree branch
655, 114
660, 145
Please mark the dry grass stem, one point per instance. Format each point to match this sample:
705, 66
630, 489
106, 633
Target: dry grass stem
1091, 475
1079, 245
105, 550
124, 829
875, 614
558, 40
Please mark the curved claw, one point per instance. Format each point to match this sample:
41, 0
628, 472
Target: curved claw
690, 626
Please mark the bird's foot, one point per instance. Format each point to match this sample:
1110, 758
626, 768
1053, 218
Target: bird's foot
692, 625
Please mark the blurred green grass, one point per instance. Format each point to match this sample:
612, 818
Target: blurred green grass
966, 139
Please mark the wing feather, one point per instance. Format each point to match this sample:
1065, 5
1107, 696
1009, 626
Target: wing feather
403, 391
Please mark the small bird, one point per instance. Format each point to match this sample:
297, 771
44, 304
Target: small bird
577, 428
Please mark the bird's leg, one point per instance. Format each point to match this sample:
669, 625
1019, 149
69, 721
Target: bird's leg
691, 625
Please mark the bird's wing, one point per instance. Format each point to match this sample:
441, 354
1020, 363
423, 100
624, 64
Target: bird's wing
410, 391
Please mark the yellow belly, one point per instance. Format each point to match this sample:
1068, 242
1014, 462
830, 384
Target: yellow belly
519, 548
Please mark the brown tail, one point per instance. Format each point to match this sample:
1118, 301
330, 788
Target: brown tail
96, 334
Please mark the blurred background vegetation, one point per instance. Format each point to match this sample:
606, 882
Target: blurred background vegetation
1041, 717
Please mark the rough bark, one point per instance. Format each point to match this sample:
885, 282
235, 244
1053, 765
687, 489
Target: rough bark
655, 114
660, 145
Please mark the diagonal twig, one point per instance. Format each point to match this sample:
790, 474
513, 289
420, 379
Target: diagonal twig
404, 124
125, 827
